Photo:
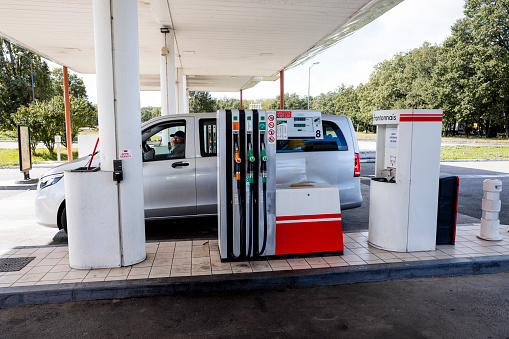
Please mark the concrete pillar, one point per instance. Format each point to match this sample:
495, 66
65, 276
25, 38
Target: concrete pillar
186, 99
181, 92
118, 99
168, 83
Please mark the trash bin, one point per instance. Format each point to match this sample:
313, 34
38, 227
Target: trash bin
447, 210
92, 219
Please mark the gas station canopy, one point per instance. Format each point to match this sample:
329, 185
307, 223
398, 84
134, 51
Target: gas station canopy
221, 45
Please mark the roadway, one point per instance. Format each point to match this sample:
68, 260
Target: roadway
473, 306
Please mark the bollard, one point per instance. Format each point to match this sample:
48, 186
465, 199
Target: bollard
58, 140
490, 209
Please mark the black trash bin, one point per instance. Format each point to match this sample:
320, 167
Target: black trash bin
447, 210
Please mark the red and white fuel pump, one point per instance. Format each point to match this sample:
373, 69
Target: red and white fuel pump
257, 217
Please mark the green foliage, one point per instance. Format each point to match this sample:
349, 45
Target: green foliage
474, 68
343, 101
16, 81
402, 82
8, 135
77, 87
47, 119
201, 102
150, 112
292, 101
229, 103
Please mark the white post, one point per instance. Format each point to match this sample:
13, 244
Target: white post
167, 70
58, 140
491, 205
118, 99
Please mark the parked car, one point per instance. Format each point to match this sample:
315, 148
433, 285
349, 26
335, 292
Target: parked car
174, 191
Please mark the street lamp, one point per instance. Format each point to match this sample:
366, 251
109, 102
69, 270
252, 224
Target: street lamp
309, 79
31, 72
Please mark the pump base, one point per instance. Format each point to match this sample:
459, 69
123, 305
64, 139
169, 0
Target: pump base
286, 256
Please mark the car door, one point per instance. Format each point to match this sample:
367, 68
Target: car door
169, 183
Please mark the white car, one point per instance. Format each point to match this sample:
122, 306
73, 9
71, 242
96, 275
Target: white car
334, 160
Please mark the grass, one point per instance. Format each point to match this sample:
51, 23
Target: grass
10, 157
8, 135
474, 152
13, 135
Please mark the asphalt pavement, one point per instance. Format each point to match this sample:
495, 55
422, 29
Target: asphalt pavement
446, 307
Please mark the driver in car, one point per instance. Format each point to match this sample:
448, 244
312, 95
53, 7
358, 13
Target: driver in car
177, 146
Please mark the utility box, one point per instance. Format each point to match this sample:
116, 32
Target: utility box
403, 194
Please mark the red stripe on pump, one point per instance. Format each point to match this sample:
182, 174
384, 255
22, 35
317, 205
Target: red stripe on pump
312, 216
420, 118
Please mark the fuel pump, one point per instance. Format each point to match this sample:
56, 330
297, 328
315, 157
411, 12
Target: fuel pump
251, 222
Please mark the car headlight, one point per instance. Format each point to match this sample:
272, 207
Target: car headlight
50, 180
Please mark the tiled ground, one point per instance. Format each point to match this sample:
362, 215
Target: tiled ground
201, 257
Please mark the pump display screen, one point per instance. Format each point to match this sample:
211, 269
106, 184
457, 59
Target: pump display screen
299, 125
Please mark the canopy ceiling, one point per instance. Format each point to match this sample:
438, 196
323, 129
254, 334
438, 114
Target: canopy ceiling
222, 45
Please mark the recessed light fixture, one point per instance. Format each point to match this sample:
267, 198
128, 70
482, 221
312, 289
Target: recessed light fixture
187, 52
266, 54
234, 77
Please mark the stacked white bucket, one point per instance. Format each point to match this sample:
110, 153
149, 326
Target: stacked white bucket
491, 205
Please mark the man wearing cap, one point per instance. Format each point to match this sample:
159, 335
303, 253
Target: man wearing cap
178, 145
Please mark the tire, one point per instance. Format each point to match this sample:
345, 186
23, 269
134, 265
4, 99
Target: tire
63, 219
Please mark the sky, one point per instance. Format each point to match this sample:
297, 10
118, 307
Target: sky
351, 61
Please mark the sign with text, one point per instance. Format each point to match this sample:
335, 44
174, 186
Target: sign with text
25, 157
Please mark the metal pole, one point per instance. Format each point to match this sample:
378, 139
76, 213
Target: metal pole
309, 80
68, 136
32, 73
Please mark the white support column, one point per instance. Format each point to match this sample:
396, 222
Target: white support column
181, 91
186, 99
168, 85
118, 93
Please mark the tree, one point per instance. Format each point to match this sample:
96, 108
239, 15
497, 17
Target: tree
16, 81
47, 119
344, 101
150, 112
475, 66
292, 101
77, 87
201, 102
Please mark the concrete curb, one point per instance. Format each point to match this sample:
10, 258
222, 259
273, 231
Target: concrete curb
249, 282
15, 187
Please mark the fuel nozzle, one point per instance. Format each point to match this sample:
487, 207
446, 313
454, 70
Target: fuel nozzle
251, 159
238, 160
264, 159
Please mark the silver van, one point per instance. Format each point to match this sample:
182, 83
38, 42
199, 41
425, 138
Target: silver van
184, 184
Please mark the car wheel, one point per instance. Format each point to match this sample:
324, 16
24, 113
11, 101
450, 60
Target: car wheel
63, 219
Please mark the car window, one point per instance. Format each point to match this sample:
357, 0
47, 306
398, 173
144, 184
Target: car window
165, 141
208, 138
333, 140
